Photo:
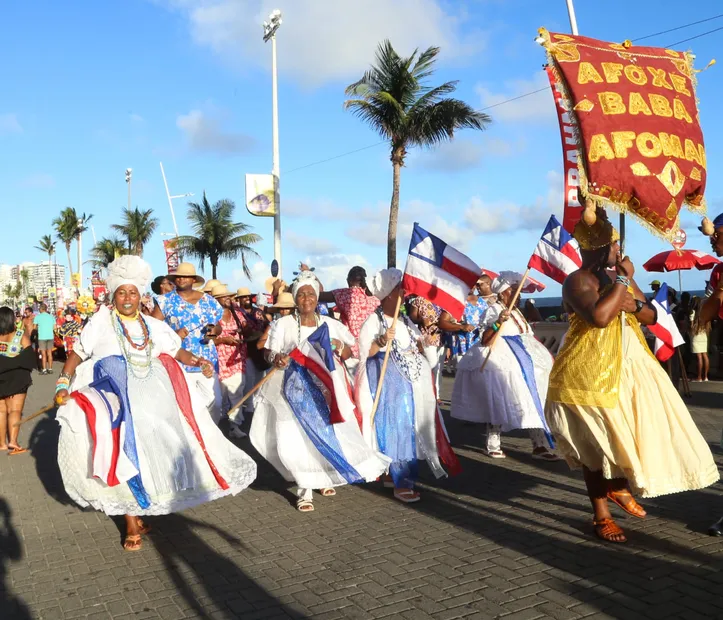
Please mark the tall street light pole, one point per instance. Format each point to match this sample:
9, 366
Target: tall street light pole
270, 28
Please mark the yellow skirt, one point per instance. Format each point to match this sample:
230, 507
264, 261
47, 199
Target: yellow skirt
648, 438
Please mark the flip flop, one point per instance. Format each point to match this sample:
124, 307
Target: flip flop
16, 451
143, 528
328, 492
133, 542
495, 454
408, 496
550, 457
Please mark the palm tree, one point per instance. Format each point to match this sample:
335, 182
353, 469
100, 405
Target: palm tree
394, 99
137, 227
66, 226
106, 251
217, 236
70, 227
47, 245
8, 292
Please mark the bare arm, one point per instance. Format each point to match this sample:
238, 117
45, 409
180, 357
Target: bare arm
448, 324
580, 292
711, 306
157, 314
647, 315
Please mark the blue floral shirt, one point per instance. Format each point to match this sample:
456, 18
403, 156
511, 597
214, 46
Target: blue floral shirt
179, 313
472, 315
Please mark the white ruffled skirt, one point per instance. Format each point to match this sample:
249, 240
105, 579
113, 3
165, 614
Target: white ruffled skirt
500, 394
280, 439
173, 467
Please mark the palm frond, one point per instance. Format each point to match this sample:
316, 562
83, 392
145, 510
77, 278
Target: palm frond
433, 124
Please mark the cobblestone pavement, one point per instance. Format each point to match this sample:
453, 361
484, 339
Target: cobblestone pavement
506, 539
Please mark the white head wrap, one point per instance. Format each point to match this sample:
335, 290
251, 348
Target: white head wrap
499, 285
305, 278
128, 270
384, 282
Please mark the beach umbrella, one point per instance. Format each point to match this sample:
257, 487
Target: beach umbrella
531, 285
677, 260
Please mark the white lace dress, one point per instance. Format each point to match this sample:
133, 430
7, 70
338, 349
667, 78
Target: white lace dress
173, 467
280, 438
513, 386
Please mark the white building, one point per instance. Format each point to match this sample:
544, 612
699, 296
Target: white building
41, 277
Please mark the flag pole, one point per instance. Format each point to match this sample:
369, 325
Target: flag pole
386, 361
512, 306
252, 391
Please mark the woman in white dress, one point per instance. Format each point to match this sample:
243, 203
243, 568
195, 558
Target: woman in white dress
135, 438
406, 426
292, 426
510, 392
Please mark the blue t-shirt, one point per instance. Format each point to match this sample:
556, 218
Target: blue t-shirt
45, 323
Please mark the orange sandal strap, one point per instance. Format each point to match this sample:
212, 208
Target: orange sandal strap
606, 529
631, 506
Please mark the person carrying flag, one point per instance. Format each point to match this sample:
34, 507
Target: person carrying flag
509, 392
406, 425
305, 420
611, 407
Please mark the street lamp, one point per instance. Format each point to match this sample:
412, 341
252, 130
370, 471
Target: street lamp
270, 28
129, 174
170, 203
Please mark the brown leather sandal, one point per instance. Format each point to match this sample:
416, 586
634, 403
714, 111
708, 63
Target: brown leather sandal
629, 505
606, 529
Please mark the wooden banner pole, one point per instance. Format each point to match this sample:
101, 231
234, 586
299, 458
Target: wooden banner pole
380, 383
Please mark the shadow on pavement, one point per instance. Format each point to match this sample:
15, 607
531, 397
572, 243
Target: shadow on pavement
43, 446
524, 521
209, 581
11, 607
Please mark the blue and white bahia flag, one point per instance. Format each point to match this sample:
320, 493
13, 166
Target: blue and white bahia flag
557, 254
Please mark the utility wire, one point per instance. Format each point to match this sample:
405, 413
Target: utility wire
534, 92
702, 21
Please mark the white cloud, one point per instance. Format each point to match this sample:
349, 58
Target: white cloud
9, 124
464, 154
260, 272
204, 134
539, 107
505, 216
310, 245
324, 40
37, 181
333, 269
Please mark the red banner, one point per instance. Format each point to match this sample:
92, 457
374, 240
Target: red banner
572, 207
169, 246
635, 120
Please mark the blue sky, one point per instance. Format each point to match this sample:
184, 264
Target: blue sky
91, 89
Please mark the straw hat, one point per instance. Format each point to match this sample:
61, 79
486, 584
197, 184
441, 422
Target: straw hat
243, 292
221, 290
210, 285
185, 270
284, 300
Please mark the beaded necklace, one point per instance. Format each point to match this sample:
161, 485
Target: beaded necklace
408, 359
298, 326
124, 340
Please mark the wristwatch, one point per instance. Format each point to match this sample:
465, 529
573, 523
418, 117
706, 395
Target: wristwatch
639, 305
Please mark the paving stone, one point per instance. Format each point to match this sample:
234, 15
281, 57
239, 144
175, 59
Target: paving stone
504, 540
